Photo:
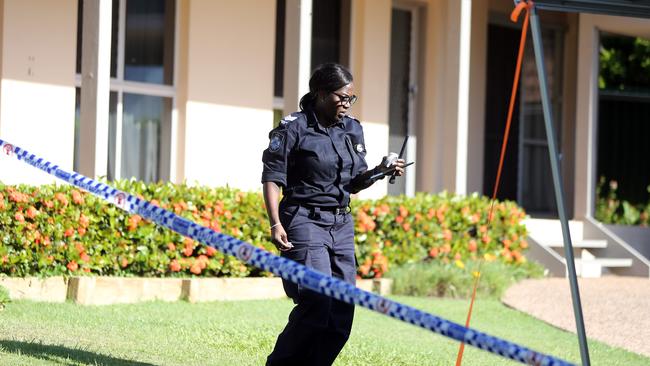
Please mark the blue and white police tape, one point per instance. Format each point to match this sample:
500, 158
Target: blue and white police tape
286, 268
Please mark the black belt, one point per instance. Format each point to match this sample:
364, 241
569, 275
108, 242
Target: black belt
337, 210
333, 209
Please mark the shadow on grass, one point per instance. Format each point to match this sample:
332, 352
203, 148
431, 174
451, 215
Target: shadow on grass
60, 353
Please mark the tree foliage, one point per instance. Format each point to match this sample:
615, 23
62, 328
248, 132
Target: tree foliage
624, 63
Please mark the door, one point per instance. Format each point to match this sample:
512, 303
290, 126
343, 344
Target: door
526, 176
535, 181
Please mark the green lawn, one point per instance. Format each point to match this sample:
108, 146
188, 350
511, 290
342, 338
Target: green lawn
243, 333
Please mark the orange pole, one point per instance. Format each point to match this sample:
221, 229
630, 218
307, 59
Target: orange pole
514, 16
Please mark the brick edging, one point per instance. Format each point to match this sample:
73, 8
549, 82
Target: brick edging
100, 290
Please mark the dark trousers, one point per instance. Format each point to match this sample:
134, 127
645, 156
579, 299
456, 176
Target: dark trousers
318, 325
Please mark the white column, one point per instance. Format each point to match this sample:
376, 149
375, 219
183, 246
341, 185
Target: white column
95, 84
586, 117
297, 52
370, 63
462, 133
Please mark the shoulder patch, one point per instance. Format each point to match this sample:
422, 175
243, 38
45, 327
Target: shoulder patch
277, 141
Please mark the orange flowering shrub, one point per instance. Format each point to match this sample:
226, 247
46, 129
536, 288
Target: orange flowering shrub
396, 230
54, 230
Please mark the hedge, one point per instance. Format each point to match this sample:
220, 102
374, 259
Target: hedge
442, 227
59, 230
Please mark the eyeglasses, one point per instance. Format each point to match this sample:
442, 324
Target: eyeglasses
346, 99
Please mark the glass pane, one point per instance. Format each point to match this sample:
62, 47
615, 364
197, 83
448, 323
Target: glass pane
114, 37
624, 64
534, 119
537, 198
149, 41
112, 135
400, 64
326, 32
623, 149
144, 118
80, 11
77, 119
278, 82
529, 80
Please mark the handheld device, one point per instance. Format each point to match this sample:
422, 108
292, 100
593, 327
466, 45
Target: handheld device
390, 171
401, 153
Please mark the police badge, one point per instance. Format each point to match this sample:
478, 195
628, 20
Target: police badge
277, 140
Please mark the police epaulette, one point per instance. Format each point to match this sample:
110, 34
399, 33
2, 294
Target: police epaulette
288, 119
353, 118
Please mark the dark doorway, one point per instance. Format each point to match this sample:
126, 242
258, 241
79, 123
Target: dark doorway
501, 61
526, 177
402, 104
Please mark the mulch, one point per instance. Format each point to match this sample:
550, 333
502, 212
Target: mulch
616, 310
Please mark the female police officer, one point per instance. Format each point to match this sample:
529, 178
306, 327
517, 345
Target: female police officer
317, 156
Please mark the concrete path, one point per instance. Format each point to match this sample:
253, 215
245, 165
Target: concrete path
616, 310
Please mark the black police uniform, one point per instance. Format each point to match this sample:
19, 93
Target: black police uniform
317, 168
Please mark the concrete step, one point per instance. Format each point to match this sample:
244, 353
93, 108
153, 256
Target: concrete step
593, 267
607, 262
548, 231
590, 244
598, 250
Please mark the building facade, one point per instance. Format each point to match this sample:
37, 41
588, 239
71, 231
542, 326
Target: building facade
187, 90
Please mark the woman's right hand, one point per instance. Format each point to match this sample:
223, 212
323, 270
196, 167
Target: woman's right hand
280, 239
396, 166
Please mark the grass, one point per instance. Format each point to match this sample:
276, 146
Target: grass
4, 297
243, 333
456, 279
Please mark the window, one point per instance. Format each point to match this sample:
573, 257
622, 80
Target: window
144, 117
623, 111
329, 39
149, 41
142, 92
326, 32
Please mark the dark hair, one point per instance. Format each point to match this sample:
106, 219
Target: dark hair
326, 77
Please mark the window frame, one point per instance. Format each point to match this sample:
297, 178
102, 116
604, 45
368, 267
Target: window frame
121, 86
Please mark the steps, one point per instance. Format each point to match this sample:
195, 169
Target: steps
591, 256
588, 244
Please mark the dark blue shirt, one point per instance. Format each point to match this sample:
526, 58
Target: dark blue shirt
315, 165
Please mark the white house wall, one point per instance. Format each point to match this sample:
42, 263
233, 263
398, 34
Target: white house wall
37, 93
230, 65
442, 115
430, 148
224, 144
370, 64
